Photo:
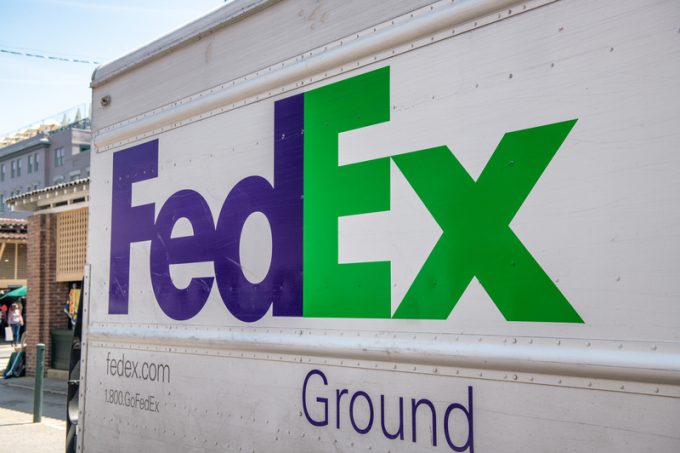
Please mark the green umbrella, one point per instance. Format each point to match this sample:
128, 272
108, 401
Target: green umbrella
18, 292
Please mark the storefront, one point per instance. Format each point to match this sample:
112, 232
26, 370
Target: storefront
13, 272
56, 249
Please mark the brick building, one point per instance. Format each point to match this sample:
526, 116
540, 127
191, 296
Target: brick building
57, 239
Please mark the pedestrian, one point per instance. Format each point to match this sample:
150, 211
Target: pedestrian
16, 321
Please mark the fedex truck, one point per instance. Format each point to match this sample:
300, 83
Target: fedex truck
387, 226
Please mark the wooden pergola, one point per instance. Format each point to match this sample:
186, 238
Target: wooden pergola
68, 202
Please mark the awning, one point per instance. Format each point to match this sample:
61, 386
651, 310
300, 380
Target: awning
18, 292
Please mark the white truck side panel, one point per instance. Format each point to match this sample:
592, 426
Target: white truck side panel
251, 43
602, 221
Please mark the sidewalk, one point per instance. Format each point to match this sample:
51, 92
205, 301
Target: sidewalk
53, 386
16, 413
18, 430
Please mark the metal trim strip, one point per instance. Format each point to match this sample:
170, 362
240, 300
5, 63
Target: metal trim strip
589, 362
445, 17
226, 15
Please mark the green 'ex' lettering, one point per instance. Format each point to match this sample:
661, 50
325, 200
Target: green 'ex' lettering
474, 216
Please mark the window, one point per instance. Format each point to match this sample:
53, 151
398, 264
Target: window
74, 175
59, 157
35, 162
30, 163
2, 202
81, 148
13, 166
19, 167
2, 172
36, 185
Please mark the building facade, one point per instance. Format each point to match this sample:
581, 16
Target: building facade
54, 265
42, 156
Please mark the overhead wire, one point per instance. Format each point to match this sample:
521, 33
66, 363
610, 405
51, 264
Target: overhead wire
45, 56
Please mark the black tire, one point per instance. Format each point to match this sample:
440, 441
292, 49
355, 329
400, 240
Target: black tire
73, 397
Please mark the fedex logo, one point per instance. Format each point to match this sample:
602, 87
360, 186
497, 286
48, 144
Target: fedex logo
311, 192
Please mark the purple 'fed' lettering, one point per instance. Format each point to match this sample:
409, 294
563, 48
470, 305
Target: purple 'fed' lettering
281, 202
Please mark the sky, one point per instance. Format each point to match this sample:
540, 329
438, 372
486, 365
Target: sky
34, 88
